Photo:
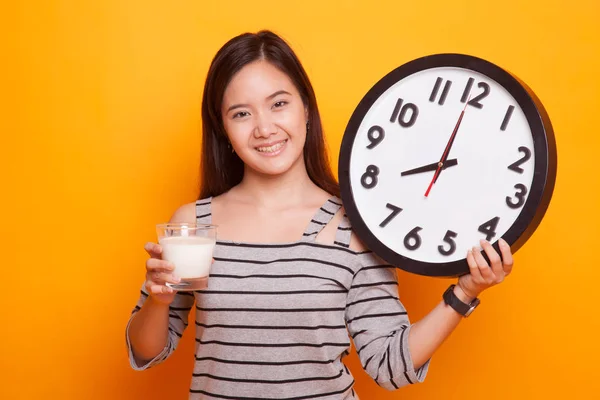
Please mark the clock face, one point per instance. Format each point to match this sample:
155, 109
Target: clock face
439, 155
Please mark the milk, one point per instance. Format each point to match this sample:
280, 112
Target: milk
191, 255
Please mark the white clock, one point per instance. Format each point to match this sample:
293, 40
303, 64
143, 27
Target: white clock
442, 152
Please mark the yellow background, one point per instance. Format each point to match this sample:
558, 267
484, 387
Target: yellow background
100, 141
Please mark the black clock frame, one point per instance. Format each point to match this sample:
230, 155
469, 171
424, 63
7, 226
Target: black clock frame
545, 167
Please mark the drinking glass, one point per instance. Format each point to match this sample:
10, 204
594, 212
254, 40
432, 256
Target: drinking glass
189, 246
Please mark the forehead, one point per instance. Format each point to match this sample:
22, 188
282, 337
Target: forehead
256, 81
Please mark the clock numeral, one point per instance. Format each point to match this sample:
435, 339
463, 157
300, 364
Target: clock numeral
516, 165
436, 88
475, 100
375, 140
369, 178
489, 228
395, 211
449, 238
400, 112
412, 240
507, 116
465, 94
520, 195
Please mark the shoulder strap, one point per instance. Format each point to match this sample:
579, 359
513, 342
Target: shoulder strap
203, 211
320, 219
343, 233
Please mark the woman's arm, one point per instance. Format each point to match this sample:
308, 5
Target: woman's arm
392, 350
161, 315
426, 335
149, 330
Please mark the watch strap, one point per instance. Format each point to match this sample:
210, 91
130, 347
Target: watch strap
458, 305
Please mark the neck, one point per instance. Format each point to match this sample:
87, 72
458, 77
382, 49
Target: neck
281, 191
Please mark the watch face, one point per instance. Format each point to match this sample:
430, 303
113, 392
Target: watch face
441, 153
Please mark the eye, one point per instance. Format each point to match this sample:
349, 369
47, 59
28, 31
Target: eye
240, 114
280, 104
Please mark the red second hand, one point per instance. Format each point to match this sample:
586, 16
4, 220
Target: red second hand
441, 163
437, 171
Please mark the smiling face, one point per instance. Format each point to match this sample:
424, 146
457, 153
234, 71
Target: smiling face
265, 119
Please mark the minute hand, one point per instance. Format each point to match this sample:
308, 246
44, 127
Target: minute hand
430, 167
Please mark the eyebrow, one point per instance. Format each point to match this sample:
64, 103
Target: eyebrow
277, 93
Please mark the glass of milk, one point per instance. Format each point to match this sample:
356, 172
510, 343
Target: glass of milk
189, 246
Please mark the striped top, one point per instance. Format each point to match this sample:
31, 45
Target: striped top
277, 320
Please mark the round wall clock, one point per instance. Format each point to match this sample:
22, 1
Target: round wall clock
443, 151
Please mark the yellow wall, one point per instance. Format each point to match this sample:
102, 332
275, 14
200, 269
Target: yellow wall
100, 141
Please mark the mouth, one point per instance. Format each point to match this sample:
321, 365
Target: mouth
273, 149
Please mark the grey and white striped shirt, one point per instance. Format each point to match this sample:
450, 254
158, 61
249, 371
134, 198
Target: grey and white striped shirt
277, 320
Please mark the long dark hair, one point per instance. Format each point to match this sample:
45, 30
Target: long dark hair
220, 168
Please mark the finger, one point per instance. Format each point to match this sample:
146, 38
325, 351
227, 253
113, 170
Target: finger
153, 288
484, 268
494, 257
154, 264
163, 277
473, 268
507, 257
154, 250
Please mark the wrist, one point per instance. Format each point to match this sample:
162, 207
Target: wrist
157, 303
463, 295
461, 302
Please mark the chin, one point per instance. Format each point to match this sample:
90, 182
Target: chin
274, 168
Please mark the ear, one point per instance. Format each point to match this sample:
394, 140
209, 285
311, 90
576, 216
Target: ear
306, 113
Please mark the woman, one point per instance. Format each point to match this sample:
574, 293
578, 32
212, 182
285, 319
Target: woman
290, 284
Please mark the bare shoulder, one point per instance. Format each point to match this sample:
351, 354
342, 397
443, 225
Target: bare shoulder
327, 235
356, 244
185, 213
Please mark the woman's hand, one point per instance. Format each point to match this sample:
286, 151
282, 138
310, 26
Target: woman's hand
158, 273
481, 276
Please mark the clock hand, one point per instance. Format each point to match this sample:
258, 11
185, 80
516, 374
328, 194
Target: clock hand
430, 167
447, 149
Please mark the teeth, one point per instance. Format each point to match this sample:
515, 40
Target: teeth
271, 149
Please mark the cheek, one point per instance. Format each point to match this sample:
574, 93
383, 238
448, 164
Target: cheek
235, 131
297, 121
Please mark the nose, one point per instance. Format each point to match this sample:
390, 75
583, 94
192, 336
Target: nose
265, 126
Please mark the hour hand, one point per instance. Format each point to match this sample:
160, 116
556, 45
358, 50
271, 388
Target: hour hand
430, 167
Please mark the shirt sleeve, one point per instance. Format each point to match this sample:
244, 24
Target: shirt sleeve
178, 320
379, 326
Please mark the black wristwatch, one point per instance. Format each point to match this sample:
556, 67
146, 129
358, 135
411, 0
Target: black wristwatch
463, 309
